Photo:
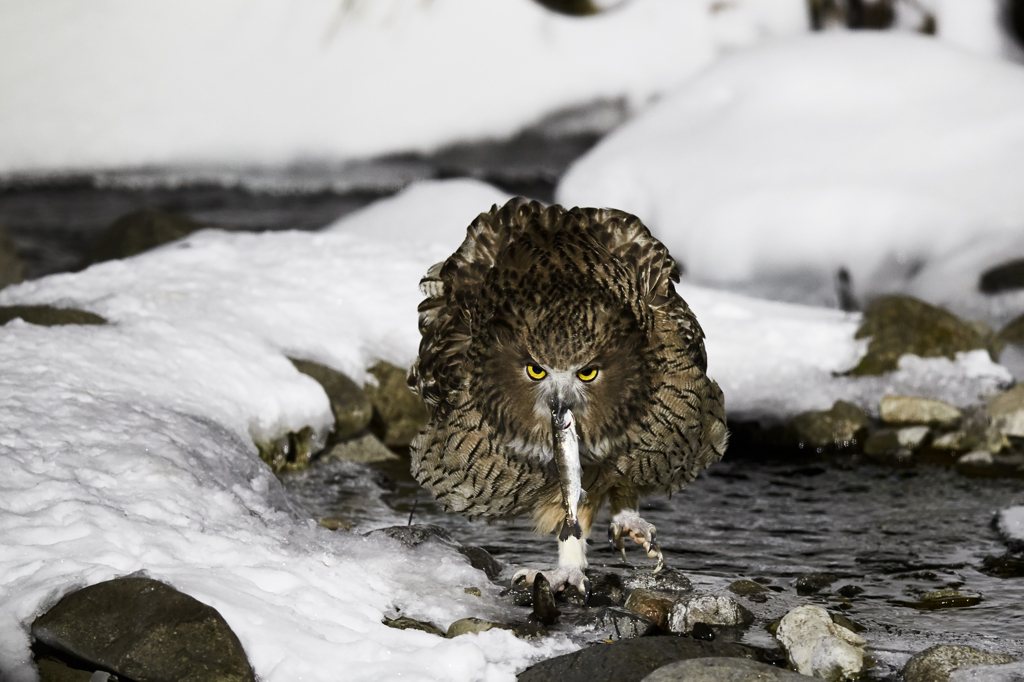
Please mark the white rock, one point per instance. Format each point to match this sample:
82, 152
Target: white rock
912, 436
816, 646
711, 609
904, 409
1007, 411
976, 458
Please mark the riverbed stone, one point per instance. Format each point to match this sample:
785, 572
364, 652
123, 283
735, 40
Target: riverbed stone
144, 629
905, 410
668, 579
48, 316
617, 623
406, 623
745, 588
629, 660
884, 446
365, 449
351, 408
1005, 566
710, 609
140, 231
723, 670
899, 325
291, 452
811, 583
935, 663
654, 606
398, 413
1006, 410
12, 269
945, 598
817, 646
838, 427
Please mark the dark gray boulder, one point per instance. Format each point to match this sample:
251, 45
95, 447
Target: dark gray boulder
140, 231
723, 670
351, 408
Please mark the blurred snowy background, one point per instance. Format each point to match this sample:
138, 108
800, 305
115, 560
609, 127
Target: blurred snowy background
799, 157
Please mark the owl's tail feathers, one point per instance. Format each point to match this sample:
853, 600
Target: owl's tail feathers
570, 527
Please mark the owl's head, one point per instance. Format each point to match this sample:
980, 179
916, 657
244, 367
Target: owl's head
560, 346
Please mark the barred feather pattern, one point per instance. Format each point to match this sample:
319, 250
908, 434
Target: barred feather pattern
564, 288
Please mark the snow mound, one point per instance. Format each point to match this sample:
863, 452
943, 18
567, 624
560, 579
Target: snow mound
1011, 524
873, 152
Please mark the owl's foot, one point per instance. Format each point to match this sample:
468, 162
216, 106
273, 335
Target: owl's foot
560, 578
627, 523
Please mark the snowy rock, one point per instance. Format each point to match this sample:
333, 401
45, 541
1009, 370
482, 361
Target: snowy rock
144, 629
352, 410
935, 664
900, 410
406, 623
365, 450
818, 647
654, 606
901, 325
48, 316
12, 270
399, 413
838, 427
710, 609
292, 451
722, 670
1007, 411
140, 231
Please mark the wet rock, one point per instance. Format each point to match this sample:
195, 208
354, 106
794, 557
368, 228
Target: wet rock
843, 425
629, 660
1006, 411
140, 231
292, 451
475, 591
810, 583
710, 609
517, 595
416, 534
398, 413
1003, 277
703, 632
334, 523
52, 670
818, 647
617, 623
943, 599
745, 588
1006, 566
722, 670
12, 269
898, 325
850, 592
841, 620
48, 316
351, 408
902, 410
363, 450
545, 610
884, 446
606, 589
667, 579
976, 432
935, 664
143, 629
655, 606
468, 626
481, 559
406, 623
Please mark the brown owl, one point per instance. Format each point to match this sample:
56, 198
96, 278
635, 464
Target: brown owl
557, 356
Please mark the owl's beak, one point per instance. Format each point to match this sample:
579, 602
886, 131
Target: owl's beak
559, 411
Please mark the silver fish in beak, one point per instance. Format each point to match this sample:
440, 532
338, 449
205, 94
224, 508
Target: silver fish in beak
570, 473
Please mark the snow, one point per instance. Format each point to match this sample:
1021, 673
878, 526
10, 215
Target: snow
128, 447
1011, 524
272, 83
871, 151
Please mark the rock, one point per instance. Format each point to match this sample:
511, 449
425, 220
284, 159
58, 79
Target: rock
810, 583
406, 623
465, 626
747, 587
140, 231
481, 559
290, 452
334, 523
902, 410
884, 446
976, 432
655, 606
667, 579
606, 589
51, 670
935, 664
1006, 566
943, 599
475, 591
398, 413
352, 409
12, 270
818, 647
48, 316
416, 534
1004, 277
710, 609
365, 449
545, 610
617, 623
976, 458
850, 592
898, 325
703, 631
722, 670
1006, 411
912, 437
839, 427
143, 629
628, 660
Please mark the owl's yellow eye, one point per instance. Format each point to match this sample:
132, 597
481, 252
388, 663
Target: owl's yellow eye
587, 374
536, 373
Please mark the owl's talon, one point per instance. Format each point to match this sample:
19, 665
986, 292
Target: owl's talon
628, 522
559, 578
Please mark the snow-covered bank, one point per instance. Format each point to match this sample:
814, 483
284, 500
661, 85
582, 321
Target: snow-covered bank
273, 82
873, 152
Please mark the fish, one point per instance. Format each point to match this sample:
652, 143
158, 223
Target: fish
570, 473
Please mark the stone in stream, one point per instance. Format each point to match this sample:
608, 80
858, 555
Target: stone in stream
935, 664
365, 449
710, 609
1006, 411
817, 646
416, 534
667, 579
943, 599
810, 583
140, 231
629, 660
292, 451
1005, 566
840, 427
143, 629
406, 623
48, 316
905, 410
398, 413
655, 606
467, 626
898, 325
616, 623
745, 588
723, 670
351, 408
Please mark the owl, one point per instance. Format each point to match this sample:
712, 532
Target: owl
547, 320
